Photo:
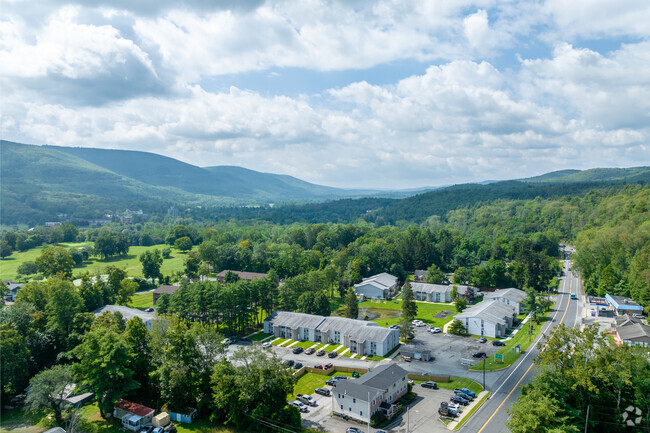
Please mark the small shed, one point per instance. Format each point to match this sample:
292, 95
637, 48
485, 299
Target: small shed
415, 352
160, 420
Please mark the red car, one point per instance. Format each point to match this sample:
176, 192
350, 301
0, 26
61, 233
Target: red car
320, 367
328, 366
309, 351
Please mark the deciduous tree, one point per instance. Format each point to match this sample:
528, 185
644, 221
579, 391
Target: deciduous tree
49, 389
55, 260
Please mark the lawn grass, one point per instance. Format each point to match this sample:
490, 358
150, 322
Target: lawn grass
259, 336
129, 262
461, 382
279, 341
330, 348
509, 356
142, 300
310, 381
426, 311
320, 346
304, 344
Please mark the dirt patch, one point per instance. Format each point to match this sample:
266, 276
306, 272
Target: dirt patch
443, 314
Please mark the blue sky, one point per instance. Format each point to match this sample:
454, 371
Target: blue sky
385, 94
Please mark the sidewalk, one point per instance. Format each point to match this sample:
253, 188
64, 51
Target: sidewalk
468, 410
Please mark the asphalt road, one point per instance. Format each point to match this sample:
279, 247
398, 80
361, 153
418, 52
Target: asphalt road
506, 386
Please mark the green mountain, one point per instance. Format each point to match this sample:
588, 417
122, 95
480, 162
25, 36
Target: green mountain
41, 182
629, 175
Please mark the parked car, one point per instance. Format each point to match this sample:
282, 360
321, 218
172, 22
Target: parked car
158, 430
319, 366
267, 345
638, 315
465, 396
498, 343
479, 355
226, 342
309, 351
339, 377
482, 340
332, 355
297, 365
288, 363
301, 406
331, 382
328, 366
297, 350
459, 400
430, 384
306, 399
456, 407
146, 429
394, 327
435, 331
468, 392
322, 391
353, 430
149, 310
320, 352
406, 358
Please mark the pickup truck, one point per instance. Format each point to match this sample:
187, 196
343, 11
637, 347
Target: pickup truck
306, 399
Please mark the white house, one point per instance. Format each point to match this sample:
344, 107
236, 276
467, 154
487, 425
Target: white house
438, 292
380, 286
128, 314
488, 318
377, 390
361, 337
512, 297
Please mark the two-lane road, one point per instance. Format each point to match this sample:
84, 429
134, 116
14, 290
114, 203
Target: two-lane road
492, 416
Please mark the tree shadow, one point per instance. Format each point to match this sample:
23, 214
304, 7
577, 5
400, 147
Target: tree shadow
117, 258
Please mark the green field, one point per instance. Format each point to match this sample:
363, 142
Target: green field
426, 311
279, 341
130, 262
142, 300
310, 381
259, 336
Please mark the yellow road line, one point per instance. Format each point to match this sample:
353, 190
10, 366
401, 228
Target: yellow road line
531, 365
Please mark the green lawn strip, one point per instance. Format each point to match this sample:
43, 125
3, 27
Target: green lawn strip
310, 381
472, 410
142, 300
304, 344
319, 346
509, 356
279, 341
330, 348
259, 336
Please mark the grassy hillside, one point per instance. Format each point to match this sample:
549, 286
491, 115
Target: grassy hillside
632, 174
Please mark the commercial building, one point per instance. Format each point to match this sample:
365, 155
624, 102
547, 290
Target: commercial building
377, 390
359, 336
380, 286
489, 318
623, 305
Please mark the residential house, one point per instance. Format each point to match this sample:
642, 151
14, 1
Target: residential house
420, 275
163, 289
377, 390
490, 318
636, 334
623, 305
134, 416
250, 276
513, 297
128, 314
439, 292
380, 286
13, 289
361, 337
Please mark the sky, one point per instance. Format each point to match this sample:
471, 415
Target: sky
359, 94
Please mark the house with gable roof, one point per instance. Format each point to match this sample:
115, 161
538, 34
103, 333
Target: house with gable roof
380, 286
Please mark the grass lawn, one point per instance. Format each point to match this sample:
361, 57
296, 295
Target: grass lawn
310, 381
320, 346
142, 300
457, 382
259, 336
304, 344
279, 341
509, 356
330, 348
130, 262
426, 311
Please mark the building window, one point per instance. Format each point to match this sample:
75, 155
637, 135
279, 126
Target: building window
354, 400
341, 407
361, 413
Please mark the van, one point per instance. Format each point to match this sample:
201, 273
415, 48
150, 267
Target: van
573, 296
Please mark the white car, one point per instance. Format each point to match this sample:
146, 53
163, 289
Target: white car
301, 406
306, 399
435, 330
455, 406
267, 344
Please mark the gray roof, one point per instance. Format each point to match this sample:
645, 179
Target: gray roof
374, 382
166, 289
343, 325
372, 333
383, 280
412, 348
430, 288
294, 320
625, 320
492, 311
511, 294
636, 332
127, 313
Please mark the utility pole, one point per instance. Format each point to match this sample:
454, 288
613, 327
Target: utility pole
408, 420
484, 372
587, 419
368, 411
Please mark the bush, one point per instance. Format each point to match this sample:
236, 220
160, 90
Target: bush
457, 328
166, 252
28, 268
378, 419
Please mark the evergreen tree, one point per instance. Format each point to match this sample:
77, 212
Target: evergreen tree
409, 306
351, 304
